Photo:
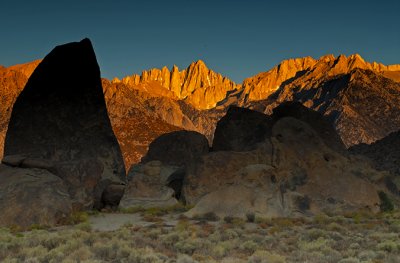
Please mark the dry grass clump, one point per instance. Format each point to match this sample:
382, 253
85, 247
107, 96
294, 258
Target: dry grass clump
351, 238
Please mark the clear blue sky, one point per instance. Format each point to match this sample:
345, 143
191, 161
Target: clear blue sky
235, 38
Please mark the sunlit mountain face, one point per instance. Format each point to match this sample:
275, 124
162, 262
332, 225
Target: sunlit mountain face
195, 98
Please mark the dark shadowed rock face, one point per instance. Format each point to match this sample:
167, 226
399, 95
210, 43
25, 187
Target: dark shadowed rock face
384, 153
241, 130
32, 196
177, 148
313, 118
61, 117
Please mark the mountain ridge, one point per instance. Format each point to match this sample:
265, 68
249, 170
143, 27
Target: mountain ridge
195, 98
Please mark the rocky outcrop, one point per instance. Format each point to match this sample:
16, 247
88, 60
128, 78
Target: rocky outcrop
197, 85
157, 180
293, 172
32, 197
385, 153
149, 186
241, 130
65, 123
177, 148
321, 125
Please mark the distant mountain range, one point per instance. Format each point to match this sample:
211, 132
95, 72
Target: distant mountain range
361, 99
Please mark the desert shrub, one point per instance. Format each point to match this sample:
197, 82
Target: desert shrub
123, 251
229, 234
315, 233
187, 246
131, 210
249, 246
83, 253
182, 225
77, 217
284, 222
322, 219
367, 255
215, 237
185, 259
206, 230
210, 216
85, 226
52, 241
315, 245
219, 251
104, 251
255, 237
222, 249
154, 233
54, 256
251, 217
262, 256
386, 204
146, 255
170, 239
36, 252
349, 260
389, 246
335, 227
228, 219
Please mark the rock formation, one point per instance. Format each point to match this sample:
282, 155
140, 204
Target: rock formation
177, 148
60, 119
321, 125
293, 172
157, 180
241, 130
384, 153
32, 197
337, 88
149, 186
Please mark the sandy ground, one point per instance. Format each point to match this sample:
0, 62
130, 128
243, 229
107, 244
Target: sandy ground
114, 221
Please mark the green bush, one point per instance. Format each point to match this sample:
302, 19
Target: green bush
386, 204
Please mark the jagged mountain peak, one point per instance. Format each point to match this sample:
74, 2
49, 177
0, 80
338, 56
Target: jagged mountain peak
197, 84
307, 71
198, 63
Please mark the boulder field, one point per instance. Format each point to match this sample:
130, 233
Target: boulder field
289, 164
61, 156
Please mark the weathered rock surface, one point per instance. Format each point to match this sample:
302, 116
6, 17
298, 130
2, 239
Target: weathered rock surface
321, 125
61, 118
177, 148
241, 130
32, 196
292, 173
149, 186
385, 153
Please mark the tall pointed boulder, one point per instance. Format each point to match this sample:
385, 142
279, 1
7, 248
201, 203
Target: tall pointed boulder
60, 122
